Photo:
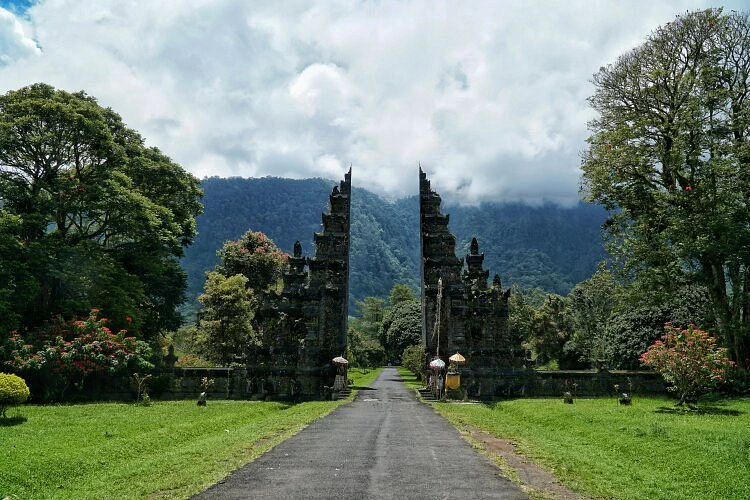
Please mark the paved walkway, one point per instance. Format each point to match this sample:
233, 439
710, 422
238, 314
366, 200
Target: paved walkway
383, 445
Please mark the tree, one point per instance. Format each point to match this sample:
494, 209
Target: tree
226, 320
638, 320
552, 330
256, 257
102, 218
689, 360
363, 351
400, 293
401, 328
669, 156
590, 305
521, 314
371, 311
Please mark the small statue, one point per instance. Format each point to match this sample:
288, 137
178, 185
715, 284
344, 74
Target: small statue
170, 359
202, 399
297, 250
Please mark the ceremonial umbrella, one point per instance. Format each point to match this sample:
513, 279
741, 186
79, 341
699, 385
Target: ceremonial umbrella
457, 358
437, 364
340, 361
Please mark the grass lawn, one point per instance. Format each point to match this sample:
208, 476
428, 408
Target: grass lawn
410, 380
646, 450
116, 450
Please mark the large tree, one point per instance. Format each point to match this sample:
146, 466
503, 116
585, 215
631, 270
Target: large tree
101, 218
669, 156
401, 328
226, 319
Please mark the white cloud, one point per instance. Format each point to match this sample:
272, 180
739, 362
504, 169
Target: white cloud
489, 96
15, 44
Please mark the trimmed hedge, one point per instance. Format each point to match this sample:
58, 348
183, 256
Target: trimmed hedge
13, 391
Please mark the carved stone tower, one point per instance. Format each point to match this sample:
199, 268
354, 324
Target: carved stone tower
306, 326
473, 315
329, 288
438, 250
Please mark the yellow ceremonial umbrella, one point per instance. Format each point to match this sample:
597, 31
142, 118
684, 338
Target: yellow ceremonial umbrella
457, 358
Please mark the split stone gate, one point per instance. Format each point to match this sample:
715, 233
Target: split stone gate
307, 326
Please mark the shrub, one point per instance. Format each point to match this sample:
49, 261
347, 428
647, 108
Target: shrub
84, 347
13, 391
413, 359
690, 360
68, 353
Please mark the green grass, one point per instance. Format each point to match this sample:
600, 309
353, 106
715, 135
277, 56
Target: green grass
116, 450
646, 450
410, 380
363, 378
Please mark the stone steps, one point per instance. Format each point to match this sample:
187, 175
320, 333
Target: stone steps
342, 394
427, 395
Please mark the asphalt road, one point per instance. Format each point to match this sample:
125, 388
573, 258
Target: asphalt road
385, 444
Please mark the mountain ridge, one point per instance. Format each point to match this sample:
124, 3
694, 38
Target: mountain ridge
545, 246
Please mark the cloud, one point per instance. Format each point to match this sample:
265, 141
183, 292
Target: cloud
489, 96
14, 43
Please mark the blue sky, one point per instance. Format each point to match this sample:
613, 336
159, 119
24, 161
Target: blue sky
489, 96
16, 6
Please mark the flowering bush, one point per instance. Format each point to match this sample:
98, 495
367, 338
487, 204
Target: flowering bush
256, 257
80, 348
690, 360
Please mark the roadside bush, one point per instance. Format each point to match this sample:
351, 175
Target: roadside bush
413, 359
13, 391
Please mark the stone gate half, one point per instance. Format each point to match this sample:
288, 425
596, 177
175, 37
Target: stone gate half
473, 317
306, 327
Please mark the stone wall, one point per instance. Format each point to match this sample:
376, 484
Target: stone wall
553, 383
239, 384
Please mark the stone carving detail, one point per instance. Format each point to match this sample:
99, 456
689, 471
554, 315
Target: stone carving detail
474, 315
306, 326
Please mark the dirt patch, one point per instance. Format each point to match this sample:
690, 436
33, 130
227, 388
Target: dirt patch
537, 482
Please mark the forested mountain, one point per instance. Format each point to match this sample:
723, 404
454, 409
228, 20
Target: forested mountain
548, 246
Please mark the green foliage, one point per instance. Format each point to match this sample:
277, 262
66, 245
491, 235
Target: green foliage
255, 257
400, 293
225, 322
634, 325
590, 305
413, 359
361, 350
689, 360
90, 215
401, 328
250, 268
13, 391
67, 354
371, 311
553, 330
669, 156
186, 340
